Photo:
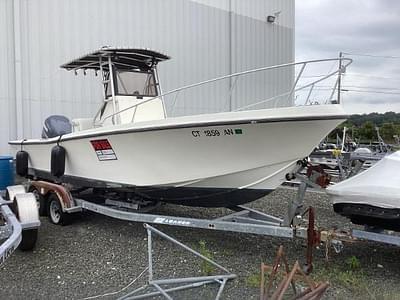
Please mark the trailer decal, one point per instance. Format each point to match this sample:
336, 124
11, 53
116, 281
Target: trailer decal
160, 220
6, 254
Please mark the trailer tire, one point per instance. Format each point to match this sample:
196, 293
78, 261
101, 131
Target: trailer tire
29, 238
55, 211
41, 200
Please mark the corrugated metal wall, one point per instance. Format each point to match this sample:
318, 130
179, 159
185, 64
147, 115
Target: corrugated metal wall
7, 75
205, 39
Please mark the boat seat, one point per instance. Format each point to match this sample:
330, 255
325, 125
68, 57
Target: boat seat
56, 125
82, 124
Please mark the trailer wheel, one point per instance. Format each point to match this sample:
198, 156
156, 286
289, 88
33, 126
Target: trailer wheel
29, 238
25, 208
40, 199
55, 211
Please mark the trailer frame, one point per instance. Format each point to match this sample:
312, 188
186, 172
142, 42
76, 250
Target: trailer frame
14, 231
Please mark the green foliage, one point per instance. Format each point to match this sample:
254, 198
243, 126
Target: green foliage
206, 267
388, 130
362, 127
254, 280
353, 263
367, 131
375, 118
353, 280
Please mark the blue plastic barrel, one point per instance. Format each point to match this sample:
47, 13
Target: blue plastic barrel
6, 172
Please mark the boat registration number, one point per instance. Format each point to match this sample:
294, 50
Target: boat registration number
216, 132
103, 150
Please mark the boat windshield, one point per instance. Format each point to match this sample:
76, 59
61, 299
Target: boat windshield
130, 83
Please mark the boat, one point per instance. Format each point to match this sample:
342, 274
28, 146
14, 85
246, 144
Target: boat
131, 145
346, 156
325, 155
371, 197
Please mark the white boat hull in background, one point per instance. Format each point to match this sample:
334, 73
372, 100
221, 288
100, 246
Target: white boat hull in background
371, 197
193, 160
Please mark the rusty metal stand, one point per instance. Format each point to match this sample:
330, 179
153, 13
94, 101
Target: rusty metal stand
313, 291
313, 239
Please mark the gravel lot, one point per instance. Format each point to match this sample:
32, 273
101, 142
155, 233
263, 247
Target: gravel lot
95, 255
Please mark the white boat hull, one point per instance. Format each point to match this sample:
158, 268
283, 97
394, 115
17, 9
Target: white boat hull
371, 197
178, 159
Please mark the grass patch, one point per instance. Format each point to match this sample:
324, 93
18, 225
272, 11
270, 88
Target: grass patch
205, 267
351, 279
353, 263
389, 296
227, 252
254, 280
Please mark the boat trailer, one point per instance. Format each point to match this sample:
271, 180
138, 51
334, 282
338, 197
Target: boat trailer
19, 221
58, 203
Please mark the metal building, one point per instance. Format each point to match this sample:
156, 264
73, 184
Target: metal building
205, 39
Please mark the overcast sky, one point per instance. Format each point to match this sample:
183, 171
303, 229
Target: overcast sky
326, 27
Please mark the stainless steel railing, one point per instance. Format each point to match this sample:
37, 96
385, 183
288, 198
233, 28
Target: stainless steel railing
343, 63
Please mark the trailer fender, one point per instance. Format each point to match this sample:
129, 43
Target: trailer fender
26, 211
14, 190
45, 188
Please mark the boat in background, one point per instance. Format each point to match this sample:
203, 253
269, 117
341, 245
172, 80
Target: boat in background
346, 158
132, 147
371, 197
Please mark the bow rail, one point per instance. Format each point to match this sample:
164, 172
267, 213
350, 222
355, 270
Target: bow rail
343, 63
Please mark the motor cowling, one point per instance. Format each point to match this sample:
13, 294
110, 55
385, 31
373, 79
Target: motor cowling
21, 163
55, 126
57, 161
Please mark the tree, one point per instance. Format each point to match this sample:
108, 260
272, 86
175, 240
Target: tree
367, 131
387, 131
338, 131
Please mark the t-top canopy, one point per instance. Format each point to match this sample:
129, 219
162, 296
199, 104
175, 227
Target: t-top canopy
122, 58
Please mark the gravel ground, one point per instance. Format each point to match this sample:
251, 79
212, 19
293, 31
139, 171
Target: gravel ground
95, 255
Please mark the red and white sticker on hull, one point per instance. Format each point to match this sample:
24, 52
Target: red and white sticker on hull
103, 150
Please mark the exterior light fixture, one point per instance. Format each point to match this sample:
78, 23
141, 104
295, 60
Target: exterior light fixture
271, 19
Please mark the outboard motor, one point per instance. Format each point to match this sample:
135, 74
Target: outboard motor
55, 126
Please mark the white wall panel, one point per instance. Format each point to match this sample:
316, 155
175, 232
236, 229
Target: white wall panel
7, 75
203, 38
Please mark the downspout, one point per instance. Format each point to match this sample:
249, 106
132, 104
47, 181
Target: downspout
19, 120
230, 56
